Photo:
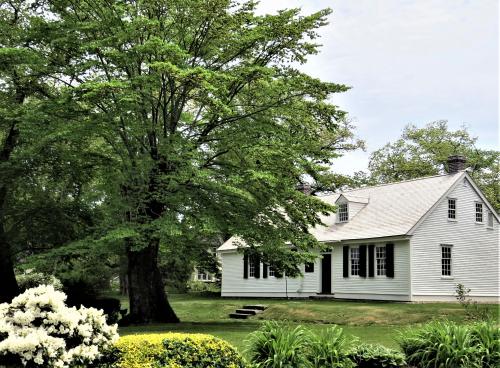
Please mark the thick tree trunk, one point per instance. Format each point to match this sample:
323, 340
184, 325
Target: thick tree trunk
8, 285
148, 301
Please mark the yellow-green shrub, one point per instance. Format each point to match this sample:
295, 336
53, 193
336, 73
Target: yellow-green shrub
176, 350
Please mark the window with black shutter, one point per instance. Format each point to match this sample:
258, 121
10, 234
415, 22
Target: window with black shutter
256, 264
362, 261
389, 260
371, 260
345, 270
245, 266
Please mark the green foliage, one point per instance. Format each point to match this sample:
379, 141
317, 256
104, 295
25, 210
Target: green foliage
329, 348
168, 124
377, 356
84, 268
278, 345
207, 288
472, 309
424, 152
30, 279
449, 345
176, 350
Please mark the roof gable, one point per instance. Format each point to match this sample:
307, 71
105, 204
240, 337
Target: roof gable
393, 209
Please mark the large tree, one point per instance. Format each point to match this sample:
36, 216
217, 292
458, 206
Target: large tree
210, 124
425, 151
45, 168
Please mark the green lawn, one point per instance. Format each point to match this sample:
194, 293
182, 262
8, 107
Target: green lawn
372, 322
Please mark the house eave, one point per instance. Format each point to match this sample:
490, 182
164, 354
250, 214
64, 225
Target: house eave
368, 240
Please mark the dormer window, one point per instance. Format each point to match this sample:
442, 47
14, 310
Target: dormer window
343, 212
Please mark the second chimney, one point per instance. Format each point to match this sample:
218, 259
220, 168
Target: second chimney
456, 163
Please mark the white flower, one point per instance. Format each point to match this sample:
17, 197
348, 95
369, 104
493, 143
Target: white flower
43, 344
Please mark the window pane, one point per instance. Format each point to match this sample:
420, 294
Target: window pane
355, 261
446, 260
452, 208
479, 212
309, 267
380, 256
343, 212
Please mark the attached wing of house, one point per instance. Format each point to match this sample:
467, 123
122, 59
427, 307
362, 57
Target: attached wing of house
410, 241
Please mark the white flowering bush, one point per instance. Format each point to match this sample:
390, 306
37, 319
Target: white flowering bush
37, 329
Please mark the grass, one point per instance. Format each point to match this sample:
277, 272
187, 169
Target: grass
371, 322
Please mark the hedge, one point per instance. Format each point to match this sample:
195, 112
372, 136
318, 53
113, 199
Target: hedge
176, 350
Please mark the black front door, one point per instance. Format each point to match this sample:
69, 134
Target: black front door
326, 274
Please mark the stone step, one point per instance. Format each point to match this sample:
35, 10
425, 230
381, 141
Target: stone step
238, 315
258, 307
251, 312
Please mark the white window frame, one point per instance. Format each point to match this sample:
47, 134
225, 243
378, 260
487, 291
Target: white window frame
271, 272
343, 212
251, 269
352, 269
479, 214
491, 220
452, 209
381, 260
450, 259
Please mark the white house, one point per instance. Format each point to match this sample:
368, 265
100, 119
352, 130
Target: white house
409, 241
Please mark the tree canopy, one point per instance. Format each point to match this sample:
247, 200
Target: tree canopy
425, 151
195, 120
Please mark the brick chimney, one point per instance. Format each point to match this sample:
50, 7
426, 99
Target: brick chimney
456, 163
304, 188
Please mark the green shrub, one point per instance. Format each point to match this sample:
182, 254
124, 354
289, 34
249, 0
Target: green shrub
279, 345
176, 350
377, 356
207, 288
329, 348
487, 339
449, 345
30, 279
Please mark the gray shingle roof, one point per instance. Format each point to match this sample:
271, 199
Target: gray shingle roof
392, 209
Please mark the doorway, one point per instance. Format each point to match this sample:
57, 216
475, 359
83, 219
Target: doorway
326, 274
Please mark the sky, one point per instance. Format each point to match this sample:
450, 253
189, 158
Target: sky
408, 62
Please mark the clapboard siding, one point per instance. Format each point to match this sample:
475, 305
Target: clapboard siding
233, 283
354, 208
378, 287
475, 250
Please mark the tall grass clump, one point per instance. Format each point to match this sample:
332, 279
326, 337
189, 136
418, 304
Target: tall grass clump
330, 348
278, 345
449, 345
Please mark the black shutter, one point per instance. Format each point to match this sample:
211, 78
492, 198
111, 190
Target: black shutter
371, 260
362, 260
256, 260
346, 260
245, 266
264, 270
389, 254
